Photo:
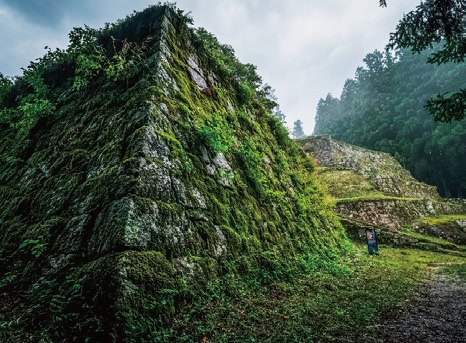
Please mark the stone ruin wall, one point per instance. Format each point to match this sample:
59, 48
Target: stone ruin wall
386, 175
382, 170
394, 214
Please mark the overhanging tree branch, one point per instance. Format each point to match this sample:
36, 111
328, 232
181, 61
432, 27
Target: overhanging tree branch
435, 21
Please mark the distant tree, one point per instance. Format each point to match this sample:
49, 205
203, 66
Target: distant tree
298, 131
5, 85
327, 111
279, 115
435, 21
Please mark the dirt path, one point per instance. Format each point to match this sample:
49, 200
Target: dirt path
437, 313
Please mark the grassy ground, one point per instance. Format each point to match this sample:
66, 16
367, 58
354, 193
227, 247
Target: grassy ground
441, 220
434, 240
374, 197
341, 302
458, 270
348, 184
321, 300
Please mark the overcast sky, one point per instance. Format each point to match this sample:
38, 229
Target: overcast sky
303, 48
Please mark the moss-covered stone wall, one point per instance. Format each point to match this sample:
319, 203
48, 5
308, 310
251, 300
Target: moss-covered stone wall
155, 182
371, 189
380, 169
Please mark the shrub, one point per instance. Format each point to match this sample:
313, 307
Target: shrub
244, 93
216, 134
253, 161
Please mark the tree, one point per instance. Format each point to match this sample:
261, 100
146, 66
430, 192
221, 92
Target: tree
279, 115
435, 21
298, 131
327, 111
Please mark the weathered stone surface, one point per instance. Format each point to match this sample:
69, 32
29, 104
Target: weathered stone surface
389, 213
381, 169
373, 190
125, 197
197, 74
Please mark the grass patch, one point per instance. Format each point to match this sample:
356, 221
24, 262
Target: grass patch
332, 301
374, 197
457, 270
441, 220
348, 184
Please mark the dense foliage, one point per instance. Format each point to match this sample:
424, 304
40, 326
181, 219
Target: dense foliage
435, 21
115, 52
383, 109
431, 22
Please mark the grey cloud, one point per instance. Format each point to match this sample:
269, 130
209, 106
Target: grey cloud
49, 13
303, 48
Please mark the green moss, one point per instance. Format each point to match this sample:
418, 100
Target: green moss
375, 197
149, 268
45, 228
207, 268
441, 220
234, 240
433, 240
348, 184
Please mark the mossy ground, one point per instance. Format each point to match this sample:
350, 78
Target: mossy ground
441, 220
328, 301
458, 270
372, 197
348, 184
336, 300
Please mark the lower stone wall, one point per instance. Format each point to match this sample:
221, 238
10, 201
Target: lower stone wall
401, 187
450, 206
395, 213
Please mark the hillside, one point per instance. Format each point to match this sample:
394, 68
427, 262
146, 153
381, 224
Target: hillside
371, 189
138, 166
383, 109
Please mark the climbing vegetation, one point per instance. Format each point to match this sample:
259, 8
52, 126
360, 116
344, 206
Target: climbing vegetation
216, 133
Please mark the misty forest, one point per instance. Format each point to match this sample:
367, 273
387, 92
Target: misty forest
392, 90
155, 188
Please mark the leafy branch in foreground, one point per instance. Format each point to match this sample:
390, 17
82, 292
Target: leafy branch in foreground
433, 21
436, 21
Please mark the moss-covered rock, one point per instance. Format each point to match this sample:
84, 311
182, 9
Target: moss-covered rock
146, 185
372, 190
377, 169
450, 228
